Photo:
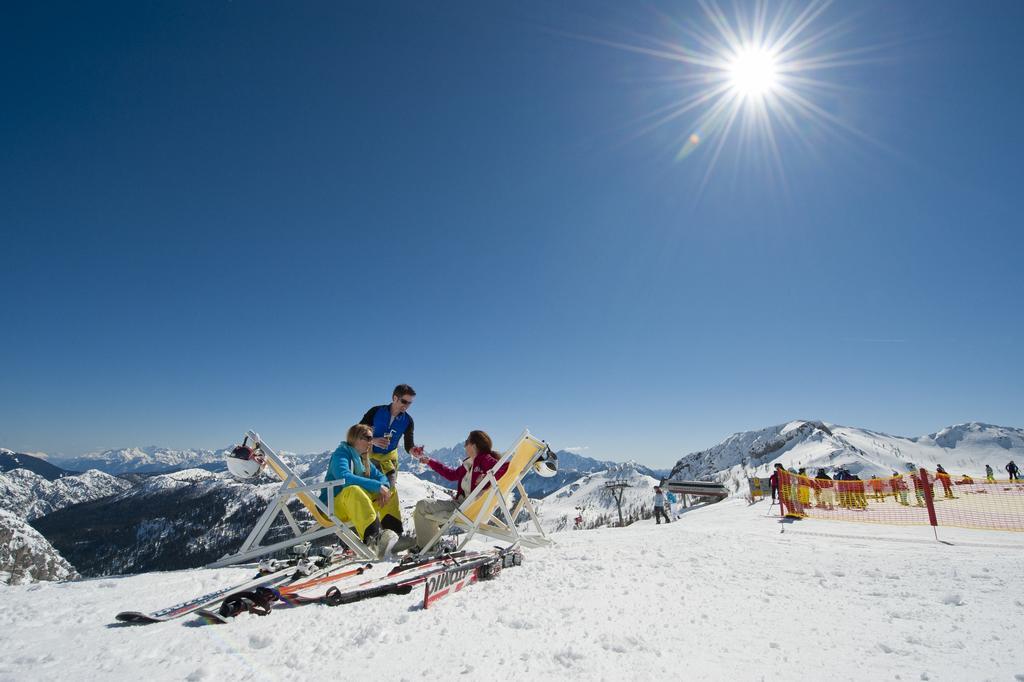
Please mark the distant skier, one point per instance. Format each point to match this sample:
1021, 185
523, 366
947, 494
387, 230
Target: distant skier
578, 521
843, 488
919, 485
788, 489
990, 476
945, 479
823, 488
659, 506
773, 482
1012, 469
671, 500
877, 486
899, 487
857, 497
804, 487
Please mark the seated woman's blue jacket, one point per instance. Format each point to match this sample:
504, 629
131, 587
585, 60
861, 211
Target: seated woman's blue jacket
347, 467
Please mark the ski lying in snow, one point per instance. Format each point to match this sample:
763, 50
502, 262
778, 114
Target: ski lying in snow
292, 572
399, 580
295, 587
453, 578
261, 599
184, 608
440, 577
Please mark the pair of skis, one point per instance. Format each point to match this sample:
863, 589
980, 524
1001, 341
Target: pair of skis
440, 576
308, 572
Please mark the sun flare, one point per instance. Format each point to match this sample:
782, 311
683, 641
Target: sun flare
752, 72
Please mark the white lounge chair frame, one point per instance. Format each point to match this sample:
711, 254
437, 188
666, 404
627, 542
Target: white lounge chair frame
309, 496
489, 490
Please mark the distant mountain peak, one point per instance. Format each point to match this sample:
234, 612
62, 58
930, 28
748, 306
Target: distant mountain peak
26, 556
10, 460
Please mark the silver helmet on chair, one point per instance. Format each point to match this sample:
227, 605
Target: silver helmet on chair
547, 464
243, 461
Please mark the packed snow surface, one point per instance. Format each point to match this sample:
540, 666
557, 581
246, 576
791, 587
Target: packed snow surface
726, 592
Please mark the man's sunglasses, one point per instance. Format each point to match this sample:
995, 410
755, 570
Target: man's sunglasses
405, 402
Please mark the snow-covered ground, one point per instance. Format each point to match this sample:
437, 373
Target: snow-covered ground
724, 593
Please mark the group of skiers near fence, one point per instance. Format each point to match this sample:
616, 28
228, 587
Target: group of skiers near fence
849, 491
366, 466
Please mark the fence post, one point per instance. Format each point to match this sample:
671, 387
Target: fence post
781, 485
928, 495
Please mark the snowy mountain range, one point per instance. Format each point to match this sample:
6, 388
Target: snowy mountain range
963, 448
140, 460
153, 459
30, 496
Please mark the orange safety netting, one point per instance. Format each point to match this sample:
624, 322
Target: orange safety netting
919, 497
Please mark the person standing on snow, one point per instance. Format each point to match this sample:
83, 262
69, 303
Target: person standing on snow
1012, 469
919, 484
390, 423
989, 474
843, 488
945, 479
671, 502
773, 482
363, 492
823, 490
857, 496
877, 486
804, 487
659, 506
899, 487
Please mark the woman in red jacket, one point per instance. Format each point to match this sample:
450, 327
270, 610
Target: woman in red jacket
480, 459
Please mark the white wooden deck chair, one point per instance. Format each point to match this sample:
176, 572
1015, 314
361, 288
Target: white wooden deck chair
478, 512
309, 496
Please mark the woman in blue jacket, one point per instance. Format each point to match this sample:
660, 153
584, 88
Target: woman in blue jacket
363, 492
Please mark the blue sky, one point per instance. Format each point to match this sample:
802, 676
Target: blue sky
221, 216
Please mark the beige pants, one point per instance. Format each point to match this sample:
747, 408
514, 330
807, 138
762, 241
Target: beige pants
429, 516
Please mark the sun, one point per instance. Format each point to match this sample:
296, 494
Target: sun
760, 77
753, 72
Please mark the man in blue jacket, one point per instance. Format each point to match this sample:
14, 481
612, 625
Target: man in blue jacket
391, 423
